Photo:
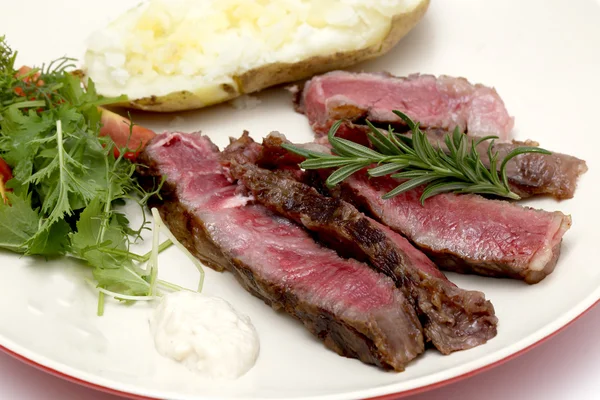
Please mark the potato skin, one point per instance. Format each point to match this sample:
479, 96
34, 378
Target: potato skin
278, 73
185, 100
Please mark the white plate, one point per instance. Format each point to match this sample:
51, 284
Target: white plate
543, 57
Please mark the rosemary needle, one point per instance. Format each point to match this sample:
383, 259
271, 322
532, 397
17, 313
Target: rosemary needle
416, 162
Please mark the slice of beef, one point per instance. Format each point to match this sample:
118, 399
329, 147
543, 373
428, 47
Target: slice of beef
467, 233
528, 174
462, 233
356, 311
453, 319
443, 102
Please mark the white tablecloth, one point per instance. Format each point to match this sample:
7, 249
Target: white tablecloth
564, 367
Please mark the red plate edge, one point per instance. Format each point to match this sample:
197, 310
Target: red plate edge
392, 396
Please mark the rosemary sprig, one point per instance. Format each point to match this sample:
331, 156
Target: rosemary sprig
416, 162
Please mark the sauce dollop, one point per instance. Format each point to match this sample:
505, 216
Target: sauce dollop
206, 334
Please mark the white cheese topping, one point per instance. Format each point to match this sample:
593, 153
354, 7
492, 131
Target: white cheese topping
206, 334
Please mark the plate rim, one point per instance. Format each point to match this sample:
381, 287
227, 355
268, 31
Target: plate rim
554, 325
519, 348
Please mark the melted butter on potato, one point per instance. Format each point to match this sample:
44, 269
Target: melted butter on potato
214, 50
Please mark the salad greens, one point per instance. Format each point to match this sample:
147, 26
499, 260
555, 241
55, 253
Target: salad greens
66, 182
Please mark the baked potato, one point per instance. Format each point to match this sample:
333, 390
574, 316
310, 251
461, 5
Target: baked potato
175, 55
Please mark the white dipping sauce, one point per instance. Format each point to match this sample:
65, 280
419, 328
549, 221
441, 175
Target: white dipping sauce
206, 334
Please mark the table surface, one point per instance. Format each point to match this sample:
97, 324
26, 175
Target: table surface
566, 366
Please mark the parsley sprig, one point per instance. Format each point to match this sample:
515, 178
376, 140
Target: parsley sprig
416, 162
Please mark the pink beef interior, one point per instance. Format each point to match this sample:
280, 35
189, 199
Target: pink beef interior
282, 251
469, 226
444, 102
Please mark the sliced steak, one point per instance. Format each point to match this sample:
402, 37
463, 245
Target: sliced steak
531, 174
461, 233
467, 233
534, 174
453, 319
356, 311
443, 102
528, 174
